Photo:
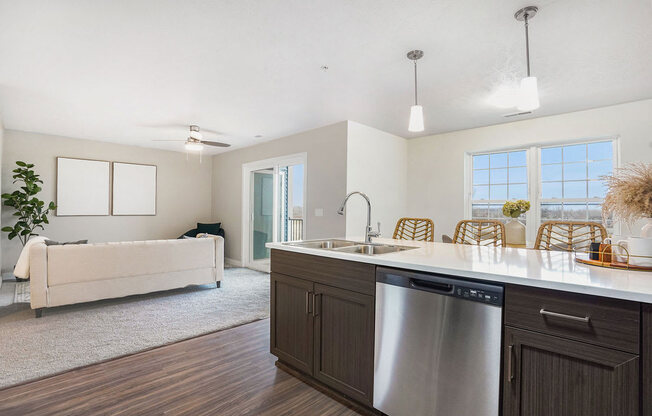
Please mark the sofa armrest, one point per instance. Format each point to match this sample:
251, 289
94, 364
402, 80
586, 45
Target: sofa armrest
219, 258
38, 274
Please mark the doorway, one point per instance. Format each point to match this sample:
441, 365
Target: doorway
274, 206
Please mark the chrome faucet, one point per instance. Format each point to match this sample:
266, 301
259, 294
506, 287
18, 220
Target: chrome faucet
369, 232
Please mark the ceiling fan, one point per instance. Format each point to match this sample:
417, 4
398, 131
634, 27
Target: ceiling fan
194, 141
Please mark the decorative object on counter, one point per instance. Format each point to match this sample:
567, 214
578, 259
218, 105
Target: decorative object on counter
639, 250
417, 229
569, 235
514, 229
480, 233
31, 212
619, 256
629, 197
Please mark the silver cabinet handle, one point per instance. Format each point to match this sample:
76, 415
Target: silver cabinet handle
584, 319
316, 309
308, 311
510, 364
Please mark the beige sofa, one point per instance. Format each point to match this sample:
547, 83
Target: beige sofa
67, 274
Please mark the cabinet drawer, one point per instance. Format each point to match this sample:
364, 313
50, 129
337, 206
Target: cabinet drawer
601, 321
350, 275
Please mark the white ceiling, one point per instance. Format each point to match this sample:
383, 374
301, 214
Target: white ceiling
121, 71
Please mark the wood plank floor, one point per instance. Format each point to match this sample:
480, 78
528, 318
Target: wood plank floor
225, 373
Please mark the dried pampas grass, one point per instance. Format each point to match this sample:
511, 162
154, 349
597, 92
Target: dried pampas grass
630, 193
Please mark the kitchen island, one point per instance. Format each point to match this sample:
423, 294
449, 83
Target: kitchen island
576, 339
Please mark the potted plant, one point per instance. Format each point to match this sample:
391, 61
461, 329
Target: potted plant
629, 195
31, 212
514, 229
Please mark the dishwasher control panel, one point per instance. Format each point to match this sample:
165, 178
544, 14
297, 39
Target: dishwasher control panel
479, 294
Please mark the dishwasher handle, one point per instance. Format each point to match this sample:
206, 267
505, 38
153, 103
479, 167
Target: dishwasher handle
430, 286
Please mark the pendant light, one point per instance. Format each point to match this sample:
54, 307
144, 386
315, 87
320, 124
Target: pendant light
529, 93
416, 111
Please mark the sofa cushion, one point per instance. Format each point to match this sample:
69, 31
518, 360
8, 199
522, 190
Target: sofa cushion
90, 262
67, 243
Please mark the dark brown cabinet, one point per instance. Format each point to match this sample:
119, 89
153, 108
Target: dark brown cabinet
569, 355
551, 376
292, 327
344, 347
322, 321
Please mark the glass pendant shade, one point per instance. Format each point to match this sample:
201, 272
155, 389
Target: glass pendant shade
416, 119
529, 94
194, 147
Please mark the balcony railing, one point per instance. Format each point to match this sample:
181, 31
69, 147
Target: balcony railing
295, 229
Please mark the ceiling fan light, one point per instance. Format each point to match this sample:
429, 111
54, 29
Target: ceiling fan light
416, 119
529, 94
197, 147
195, 135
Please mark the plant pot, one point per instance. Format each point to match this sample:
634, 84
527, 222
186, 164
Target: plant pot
515, 232
646, 231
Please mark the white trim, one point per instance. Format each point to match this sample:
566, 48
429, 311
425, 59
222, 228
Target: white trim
233, 262
274, 164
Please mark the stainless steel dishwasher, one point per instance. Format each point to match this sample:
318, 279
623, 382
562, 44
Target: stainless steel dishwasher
438, 345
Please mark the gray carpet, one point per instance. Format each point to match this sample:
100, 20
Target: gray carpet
72, 336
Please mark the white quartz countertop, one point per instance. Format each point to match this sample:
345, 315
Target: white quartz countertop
546, 269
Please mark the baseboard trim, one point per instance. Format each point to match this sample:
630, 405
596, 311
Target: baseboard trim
233, 262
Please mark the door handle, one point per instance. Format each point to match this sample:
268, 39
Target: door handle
584, 319
308, 309
316, 309
510, 363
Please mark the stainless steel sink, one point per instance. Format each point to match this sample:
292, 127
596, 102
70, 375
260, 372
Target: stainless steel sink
324, 244
371, 249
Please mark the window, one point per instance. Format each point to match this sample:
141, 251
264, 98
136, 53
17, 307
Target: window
497, 177
571, 188
562, 182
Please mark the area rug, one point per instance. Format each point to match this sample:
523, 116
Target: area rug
73, 336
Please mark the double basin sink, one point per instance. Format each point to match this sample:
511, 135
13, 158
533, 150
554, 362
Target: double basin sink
346, 246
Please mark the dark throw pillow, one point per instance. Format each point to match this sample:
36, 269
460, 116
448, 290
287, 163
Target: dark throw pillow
67, 243
209, 228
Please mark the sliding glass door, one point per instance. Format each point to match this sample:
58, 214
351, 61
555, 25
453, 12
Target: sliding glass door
273, 206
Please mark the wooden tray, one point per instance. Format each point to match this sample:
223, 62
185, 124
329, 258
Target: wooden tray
613, 265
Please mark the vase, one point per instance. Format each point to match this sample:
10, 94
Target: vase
646, 231
515, 232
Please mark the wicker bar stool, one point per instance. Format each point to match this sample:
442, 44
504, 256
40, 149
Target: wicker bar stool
480, 233
418, 229
569, 235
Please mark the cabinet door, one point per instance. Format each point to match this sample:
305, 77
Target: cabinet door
291, 320
551, 376
344, 341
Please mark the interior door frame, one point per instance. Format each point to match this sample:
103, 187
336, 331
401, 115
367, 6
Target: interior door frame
247, 198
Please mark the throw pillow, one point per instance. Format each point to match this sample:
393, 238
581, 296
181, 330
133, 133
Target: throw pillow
209, 228
188, 237
67, 243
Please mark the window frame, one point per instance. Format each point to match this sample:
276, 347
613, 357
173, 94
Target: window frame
534, 185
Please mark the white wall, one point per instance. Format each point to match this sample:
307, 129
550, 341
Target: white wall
184, 190
376, 164
436, 163
326, 182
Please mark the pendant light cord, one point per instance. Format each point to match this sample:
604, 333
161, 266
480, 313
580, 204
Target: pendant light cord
415, 82
527, 44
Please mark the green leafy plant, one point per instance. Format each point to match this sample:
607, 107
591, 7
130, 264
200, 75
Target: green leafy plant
515, 209
32, 213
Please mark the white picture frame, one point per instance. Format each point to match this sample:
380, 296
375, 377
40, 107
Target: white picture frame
134, 189
83, 187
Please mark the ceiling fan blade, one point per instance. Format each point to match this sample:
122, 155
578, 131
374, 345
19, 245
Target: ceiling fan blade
168, 140
217, 144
